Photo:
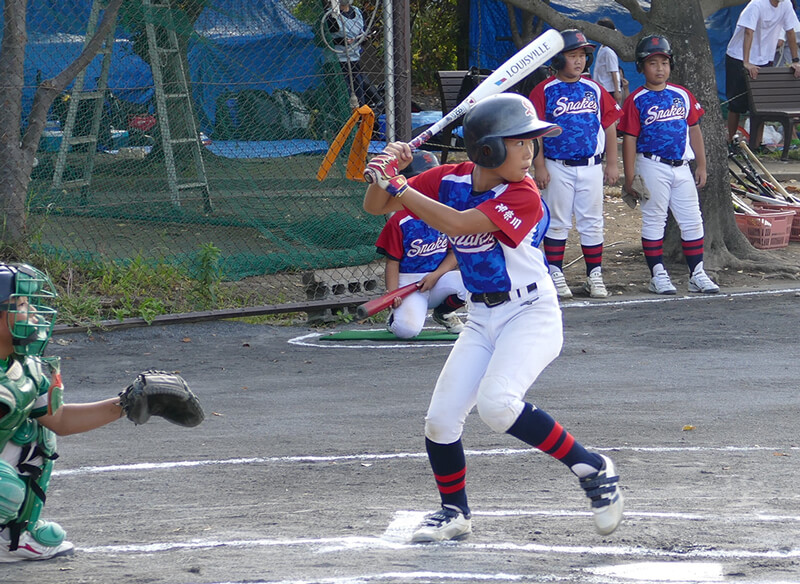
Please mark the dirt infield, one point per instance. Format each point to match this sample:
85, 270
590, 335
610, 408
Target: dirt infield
310, 466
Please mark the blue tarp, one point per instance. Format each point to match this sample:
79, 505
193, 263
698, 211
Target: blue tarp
240, 44
491, 45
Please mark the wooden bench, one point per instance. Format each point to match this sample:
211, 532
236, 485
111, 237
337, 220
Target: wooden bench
774, 97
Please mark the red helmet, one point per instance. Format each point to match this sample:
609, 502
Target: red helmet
652, 45
573, 39
506, 115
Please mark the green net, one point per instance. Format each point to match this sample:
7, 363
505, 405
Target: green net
202, 122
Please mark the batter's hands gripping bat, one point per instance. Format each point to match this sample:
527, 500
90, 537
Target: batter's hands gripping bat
532, 56
375, 306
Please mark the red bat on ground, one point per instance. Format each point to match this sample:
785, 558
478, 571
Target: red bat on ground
375, 306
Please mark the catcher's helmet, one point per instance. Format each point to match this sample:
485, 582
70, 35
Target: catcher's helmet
421, 162
652, 45
573, 39
506, 115
32, 325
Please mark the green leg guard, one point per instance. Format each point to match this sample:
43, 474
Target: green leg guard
45, 532
12, 493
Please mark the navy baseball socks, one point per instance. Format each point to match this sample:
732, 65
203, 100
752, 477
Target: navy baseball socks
597, 474
453, 520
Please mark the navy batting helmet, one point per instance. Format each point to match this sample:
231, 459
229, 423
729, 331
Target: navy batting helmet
652, 45
506, 115
421, 162
573, 39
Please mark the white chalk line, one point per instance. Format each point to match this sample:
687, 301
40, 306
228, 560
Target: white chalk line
327, 545
146, 466
306, 340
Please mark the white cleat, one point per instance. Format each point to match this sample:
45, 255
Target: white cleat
561, 284
446, 524
660, 282
450, 322
700, 282
607, 501
594, 285
30, 549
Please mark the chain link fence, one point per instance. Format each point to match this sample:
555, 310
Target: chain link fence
205, 123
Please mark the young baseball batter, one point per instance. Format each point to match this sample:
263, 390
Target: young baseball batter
491, 210
570, 171
415, 252
661, 135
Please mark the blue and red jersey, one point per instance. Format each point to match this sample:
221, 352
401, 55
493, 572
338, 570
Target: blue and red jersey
583, 109
502, 260
661, 119
418, 247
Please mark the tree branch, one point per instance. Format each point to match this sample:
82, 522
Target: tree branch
50, 88
623, 45
709, 7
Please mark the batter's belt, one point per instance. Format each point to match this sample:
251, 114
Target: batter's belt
669, 161
491, 299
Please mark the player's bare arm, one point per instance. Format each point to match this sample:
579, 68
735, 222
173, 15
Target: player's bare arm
752, 70
391, 276
78, 418
449, 263
698, 145
540, 173
791, 38
611, 175
629, 159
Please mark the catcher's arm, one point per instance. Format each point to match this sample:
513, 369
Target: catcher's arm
77, 418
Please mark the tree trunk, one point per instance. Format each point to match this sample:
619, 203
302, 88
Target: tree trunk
13, 183
17, 151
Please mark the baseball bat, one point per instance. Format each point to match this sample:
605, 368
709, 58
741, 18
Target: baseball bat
533, 55
760, 166
376, 305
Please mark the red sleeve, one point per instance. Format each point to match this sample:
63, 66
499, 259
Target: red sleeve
428, 182
537, 99
516, 211
696, 110
390, 241
629, 123
609, 107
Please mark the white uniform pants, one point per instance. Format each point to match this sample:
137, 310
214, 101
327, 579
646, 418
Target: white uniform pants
495, 360
409, 317
673, 188
575, 190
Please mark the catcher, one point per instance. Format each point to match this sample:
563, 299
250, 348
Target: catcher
32, 413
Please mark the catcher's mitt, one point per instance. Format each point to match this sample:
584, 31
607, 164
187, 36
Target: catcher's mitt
158, 393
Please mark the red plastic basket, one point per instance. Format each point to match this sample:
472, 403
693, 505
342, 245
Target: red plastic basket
769, 230
795, 233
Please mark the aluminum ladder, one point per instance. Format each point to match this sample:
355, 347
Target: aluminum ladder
174, 110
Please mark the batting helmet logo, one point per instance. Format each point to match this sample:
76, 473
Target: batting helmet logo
507, 115
573, 39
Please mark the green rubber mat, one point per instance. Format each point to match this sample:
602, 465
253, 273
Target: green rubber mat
387, 336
